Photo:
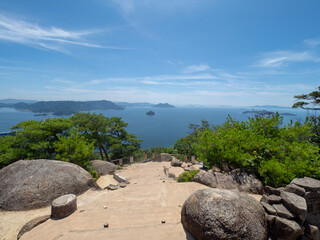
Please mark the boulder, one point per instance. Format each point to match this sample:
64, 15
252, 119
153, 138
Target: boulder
223, 214
282, 211
309, 184
296, 204
176, 162
313, 203
269, 209
30, 184
284, 229
163, 157
237, 179
295, 189
103, 167
312, 232
271, 199
272, 191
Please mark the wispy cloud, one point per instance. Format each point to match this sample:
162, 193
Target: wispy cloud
58, 80
197, 68
156, 79
280, 58
312, 42
34, 35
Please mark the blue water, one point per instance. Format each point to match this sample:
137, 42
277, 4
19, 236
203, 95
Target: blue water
162, 129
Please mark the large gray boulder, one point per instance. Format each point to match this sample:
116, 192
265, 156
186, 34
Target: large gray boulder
103, 167
237, 179
223, 214
284, 229
309, 184
30, 184
296, 204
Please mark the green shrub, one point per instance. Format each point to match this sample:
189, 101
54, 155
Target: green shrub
276, 154
94, 174
187, 176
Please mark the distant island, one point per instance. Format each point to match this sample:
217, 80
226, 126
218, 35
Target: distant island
60, 108
163, 105
265, 112
150, 113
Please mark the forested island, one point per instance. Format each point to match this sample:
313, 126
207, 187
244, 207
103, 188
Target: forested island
164, 105
60, 108
265, 112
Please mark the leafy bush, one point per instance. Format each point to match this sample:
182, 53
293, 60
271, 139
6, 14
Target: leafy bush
276, 154
158, 150
187, 176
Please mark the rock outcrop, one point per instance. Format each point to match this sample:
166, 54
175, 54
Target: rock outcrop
293, 211
30, 184
103, 167
237, 179
176, 162
223, 214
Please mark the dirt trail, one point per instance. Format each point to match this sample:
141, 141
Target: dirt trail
134, 212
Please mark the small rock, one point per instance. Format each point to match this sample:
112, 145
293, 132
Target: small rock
270, 220
105, 207
176, 162
282, 211
171, 175
122, 185
112, 187
270, 190
295, 189
120, 178
271, 210
63, 206
81, 211
271, 199
106, 225
163, 221
274, 199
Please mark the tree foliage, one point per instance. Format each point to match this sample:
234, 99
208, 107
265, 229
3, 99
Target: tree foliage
69, 139
276, 154
109, 134
185, 145
310, 100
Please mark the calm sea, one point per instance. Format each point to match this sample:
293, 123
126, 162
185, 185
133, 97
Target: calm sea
162, 129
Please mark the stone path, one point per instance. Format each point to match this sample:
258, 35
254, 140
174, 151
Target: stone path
133, 212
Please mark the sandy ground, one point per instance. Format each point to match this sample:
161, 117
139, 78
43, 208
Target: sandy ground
134, 212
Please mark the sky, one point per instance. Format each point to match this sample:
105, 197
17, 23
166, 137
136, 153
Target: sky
184, 52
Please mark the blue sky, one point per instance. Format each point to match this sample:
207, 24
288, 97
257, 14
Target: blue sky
206, 52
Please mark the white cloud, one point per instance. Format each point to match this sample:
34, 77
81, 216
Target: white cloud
53, 38
156, 78
58, 80
280, 58
197, 68
312, 42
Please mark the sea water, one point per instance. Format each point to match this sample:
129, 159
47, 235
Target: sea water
162, 129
